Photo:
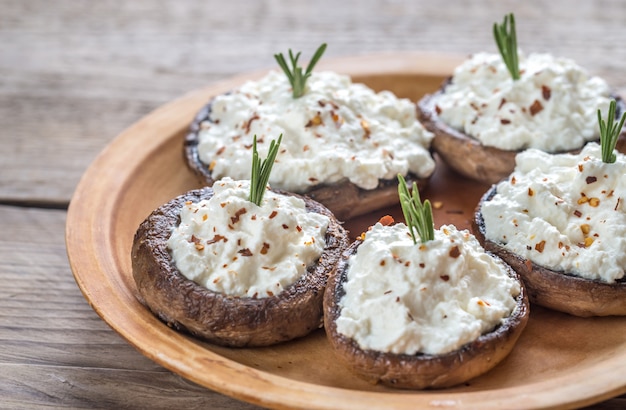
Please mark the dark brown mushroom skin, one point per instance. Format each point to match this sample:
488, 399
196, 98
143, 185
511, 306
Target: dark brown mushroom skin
344, 199
553, 289
216, 317
467, 155
420, 371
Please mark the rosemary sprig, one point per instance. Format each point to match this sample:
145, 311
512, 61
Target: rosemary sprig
609, 133
261, 170
506, 39
294, 74
418, 215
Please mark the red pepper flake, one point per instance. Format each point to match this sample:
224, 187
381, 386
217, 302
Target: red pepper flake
285, 226
502, 102
580, 167
505, 121
273, 214
617, 204
220, 151
248, 123
407, 263
539, 246
223, 204
513, 180
546, 92
536, 108
265, 248
386, 220
531, 192
255, 295
217, 238
193, 239
610, 194
438, 110
560, 245
253, 217
454, 252
337, 119
315, 121
244, 252
366, 129
270, 293
445, 278
591, 179
387, 292
235, 219
578, 213
305, 148
397, 298
298, 228
382, 262
313, 180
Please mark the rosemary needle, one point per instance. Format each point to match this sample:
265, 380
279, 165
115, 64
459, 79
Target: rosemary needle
506, 40
295, 75
261, 170
609, 133
418, 215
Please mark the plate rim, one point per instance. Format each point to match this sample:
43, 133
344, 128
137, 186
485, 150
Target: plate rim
300, 394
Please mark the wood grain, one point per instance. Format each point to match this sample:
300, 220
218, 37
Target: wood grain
76, 74
55, 351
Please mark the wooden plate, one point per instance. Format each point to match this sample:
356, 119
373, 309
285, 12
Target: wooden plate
560, 361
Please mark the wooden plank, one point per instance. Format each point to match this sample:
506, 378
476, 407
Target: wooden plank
54, 349
28, 387
75, 75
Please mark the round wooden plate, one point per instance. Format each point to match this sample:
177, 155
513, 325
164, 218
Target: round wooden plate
560, 360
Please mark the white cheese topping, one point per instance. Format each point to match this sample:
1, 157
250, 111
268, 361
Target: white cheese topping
230, 245
336, 131
429, 298
564, 212
552, 107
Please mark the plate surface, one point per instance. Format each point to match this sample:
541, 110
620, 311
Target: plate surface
559, 361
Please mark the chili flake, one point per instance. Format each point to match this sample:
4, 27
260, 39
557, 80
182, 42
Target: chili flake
539, 246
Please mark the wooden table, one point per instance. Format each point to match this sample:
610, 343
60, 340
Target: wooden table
75, 74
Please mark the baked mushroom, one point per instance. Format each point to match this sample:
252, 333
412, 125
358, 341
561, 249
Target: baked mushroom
238, 270
497, 105
560, 222
419, 316
345, 142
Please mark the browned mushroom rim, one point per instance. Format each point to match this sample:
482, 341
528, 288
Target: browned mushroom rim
562, 291
344, 199
421, 371
217, 317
